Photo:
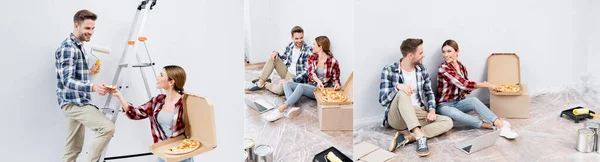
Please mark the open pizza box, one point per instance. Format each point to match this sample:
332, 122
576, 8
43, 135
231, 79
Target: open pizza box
199, 125
504, 68
336, 115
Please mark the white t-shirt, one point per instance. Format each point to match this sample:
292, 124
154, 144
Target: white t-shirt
295, 56
410, 78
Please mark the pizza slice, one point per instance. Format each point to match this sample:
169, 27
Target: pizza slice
111, 86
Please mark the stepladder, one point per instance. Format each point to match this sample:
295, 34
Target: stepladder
125, 67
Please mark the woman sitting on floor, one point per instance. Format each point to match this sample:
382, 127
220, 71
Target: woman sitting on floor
454, 85
323, 72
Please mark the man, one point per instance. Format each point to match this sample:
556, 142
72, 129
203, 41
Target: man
405, 92
74, 91
291, 65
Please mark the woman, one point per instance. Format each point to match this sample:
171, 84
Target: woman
323, 71
165, 111
454, 85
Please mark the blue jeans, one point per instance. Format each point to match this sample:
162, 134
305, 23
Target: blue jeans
457, 111
293, 91
186, 160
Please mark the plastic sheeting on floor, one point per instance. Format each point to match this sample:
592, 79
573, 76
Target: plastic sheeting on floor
297, 139
545, 136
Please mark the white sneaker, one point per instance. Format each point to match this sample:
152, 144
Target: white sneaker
273, 115
506, 123
293, 112
507, 132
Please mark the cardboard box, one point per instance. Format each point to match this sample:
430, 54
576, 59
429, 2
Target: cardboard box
368, 152
199, 125
511, 106
504, 68
336, 116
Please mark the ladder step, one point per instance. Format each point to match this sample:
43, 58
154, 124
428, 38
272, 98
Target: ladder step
139, 65
108, 111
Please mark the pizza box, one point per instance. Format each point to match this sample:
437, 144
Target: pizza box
336, 116
504, 68
199, 125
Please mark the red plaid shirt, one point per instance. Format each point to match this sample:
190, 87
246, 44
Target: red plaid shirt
452, 85
332, 74
150, 110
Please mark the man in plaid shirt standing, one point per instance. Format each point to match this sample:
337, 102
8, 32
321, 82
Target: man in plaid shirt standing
405, 92
74, 91
291, 65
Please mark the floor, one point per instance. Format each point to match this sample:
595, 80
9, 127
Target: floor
297, 139
543, 137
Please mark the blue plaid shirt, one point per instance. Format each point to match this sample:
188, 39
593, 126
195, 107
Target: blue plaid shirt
72, 72
392, 75
286, 57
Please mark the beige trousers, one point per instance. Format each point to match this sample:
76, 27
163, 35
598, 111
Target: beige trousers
281, 69
403, 115
92, 118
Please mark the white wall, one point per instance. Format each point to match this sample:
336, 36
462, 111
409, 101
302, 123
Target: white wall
593, 42
191, 34
271, 27
260, 26
535, 30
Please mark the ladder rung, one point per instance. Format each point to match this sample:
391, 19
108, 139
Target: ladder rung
108, 111
131, 42
144, 65
139, 65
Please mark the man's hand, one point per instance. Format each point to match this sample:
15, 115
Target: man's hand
95, 69
406, 88
100, 88
274, 55
431, 116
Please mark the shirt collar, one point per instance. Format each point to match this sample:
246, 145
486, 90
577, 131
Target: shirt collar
74, 39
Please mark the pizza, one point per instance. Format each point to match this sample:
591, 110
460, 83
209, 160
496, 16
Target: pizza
111, 86
186, 146
508, 88
330, 95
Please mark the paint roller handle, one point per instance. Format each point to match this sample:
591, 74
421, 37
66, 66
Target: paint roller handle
96, 68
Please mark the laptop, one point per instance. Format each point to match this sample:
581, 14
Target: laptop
260, 105
479, 143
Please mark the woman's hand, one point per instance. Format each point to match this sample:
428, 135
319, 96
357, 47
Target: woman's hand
115, 92
489, 85
337, 86
320, 84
